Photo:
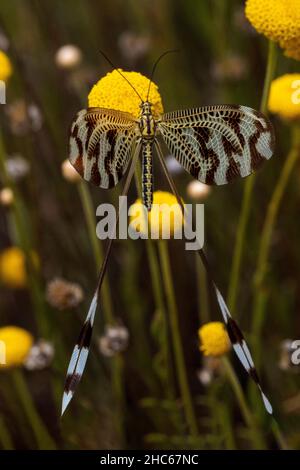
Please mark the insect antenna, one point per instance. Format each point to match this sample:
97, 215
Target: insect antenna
154, 68
110, 62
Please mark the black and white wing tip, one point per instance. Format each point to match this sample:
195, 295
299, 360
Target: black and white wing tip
240, 347
79, 357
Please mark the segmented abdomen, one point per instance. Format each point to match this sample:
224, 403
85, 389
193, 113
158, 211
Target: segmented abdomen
147, 177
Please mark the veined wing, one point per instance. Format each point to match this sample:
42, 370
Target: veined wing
216, 144
101, 144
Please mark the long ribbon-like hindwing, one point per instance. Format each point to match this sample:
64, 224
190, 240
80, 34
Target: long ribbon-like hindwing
81, 350
235, 335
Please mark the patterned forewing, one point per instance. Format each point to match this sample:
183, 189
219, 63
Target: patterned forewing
216, 144
101, 144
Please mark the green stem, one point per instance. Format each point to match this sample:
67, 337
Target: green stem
235, 274
117, 361
270, 71
43, 438
177, 344
5, 439
158, 294
89, 214
247, 415
267, 231
203, 304
279, 436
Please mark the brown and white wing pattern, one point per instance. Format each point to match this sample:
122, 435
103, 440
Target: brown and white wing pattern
216, 144
101, 144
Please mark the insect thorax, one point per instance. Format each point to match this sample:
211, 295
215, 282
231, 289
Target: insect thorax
147, 122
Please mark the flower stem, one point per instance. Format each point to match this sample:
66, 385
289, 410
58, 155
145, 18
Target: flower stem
235, 274
203, 303
5, 439
177, 344
117, 361
43, 438
279, 436
247, 415
158, 295
270, 71
89, 212
267, 231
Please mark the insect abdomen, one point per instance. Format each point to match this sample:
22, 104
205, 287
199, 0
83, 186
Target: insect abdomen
147, 177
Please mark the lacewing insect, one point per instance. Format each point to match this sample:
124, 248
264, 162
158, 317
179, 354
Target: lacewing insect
215, 144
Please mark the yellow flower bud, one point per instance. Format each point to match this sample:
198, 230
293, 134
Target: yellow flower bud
278, 20
15, 344
165, 213
13, 267
214, 339
284, 98
5, 67
113, 92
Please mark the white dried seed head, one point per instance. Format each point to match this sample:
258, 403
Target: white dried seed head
197, 190
68, 56
6, 196
69, 173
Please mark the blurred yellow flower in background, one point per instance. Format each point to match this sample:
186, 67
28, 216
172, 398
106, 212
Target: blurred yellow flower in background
113, 92
5, 67
17, 344
165, 212
214, 339
278, 20
13, 267
284, 98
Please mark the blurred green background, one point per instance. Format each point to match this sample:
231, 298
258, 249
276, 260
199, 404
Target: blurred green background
123, 401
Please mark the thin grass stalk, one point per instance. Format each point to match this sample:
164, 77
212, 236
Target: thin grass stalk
96, 244
235, 275
267, 232
279, 436
203, 302
43, 438
247, 415
156, 281
117, 361
177, 343
6, 442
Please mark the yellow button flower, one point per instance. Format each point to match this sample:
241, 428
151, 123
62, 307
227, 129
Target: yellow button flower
165, 216
214, 339
5, 67
284, 98
278, 20
13, 267
113, 92
15, 344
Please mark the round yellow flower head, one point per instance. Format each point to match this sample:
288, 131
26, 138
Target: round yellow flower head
13, 267
5, 67
113, 92
165, 216
284, 98
278, 20
15, 344
214, 339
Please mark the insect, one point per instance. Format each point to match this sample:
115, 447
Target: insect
215, 144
